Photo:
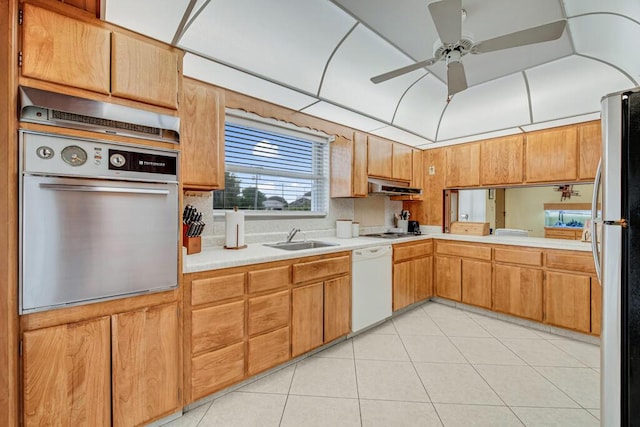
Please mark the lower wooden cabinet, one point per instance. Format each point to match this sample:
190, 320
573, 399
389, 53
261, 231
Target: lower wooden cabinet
449, 277
596, 306
307, 317
518, 290
568, 301
216, 369
412, 281
337, 308
66, 375
476, 283
267, 350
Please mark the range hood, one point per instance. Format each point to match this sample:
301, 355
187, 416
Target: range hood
392, 188
56, 109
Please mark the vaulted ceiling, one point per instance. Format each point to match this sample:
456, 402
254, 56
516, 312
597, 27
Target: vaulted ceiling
317, 57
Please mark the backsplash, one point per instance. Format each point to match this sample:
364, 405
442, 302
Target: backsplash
259, 230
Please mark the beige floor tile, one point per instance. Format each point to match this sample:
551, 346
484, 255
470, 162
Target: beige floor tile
416, 322
486, 351
437, 310
325, 377
541, 353
588, 354
476, 416
432, 349
455, 383
384, 413
277, 382
311, 411
560, 417
460, 327
501, 329
343, 350
385, 328
523, 386
581, 384
190, 418
595, 412
389, 381
239, 409
379, 347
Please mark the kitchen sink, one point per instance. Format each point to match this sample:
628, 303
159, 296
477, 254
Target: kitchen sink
296, 246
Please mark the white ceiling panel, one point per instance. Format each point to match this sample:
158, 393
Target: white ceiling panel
336, 114
158, 19
630, 8
288, 41
571, 86
229, 78
402, 136
422, 106
562, 122
361, 56
606, 43
495, 105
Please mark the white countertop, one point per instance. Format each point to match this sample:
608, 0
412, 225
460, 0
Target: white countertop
212, 258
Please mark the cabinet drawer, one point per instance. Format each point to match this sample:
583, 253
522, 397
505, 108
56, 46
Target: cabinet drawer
518, 256
214, 289
269, 278
467, 251
414, 250
268, 312
268, 350
217, 326
212, 371
318, 270
572, 261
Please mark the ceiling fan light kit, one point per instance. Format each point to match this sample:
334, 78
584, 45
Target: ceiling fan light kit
448, 16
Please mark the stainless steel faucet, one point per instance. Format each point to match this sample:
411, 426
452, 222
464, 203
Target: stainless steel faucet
292, 233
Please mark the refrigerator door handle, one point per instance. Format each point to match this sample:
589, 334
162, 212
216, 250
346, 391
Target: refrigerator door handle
594, 220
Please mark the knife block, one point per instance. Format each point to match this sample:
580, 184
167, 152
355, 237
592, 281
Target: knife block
193, 244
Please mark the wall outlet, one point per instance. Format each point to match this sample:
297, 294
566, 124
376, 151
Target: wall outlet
432, 170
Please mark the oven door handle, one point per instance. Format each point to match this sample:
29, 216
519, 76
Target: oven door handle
104, 189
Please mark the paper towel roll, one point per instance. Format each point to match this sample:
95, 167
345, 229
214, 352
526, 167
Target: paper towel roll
234, 229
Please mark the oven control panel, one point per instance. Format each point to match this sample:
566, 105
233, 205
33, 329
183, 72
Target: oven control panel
48, 154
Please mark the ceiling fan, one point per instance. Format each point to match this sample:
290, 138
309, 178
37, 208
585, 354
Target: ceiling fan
447, 16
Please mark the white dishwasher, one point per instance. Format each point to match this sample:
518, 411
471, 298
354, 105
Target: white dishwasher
371, 286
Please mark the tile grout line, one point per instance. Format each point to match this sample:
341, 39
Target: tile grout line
355, 368
286, 400
204, 414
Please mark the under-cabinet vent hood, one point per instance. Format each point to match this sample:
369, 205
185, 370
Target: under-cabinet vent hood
392, 188
56, 109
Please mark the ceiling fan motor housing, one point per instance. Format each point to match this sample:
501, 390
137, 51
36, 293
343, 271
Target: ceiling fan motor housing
463, 46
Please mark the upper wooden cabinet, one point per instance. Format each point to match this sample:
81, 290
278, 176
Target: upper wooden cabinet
202, 136
590, 149
63, 50
379, 157
349, 166
551, 155
417, 179
402, 162
92, 55
463, 165
144, 72
434, 174
501, 160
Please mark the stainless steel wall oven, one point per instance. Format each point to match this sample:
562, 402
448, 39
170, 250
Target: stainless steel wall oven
98, 220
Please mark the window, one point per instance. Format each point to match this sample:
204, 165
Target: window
272, 168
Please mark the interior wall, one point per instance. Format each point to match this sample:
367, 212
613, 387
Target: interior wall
525, 206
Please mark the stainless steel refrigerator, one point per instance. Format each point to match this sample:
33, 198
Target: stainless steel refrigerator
617, 257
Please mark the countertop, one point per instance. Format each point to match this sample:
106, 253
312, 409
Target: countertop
212, 258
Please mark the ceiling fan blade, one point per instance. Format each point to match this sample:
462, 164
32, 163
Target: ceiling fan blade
404, 70
447, 16
542, 33
456, 78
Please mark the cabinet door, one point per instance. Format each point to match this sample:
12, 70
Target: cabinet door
214, 370
501, 160
64, 51
434, 169
360, 182
596, 306
267, 350
476, 283
403, 287
463, 165
402, 162
379, 157
66, 375
342, 168
202, 136
423, 278
449, 277
590, 146
417, 178
146, 364
518, 291
568, 301
307, 318
551, 155
144, 72
337, 308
